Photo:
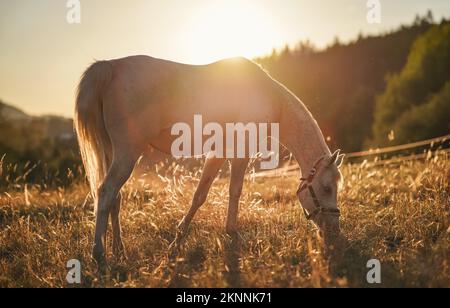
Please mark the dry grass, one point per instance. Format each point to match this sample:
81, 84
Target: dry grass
398, 214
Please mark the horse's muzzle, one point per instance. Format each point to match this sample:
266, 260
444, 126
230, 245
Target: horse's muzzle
329, 227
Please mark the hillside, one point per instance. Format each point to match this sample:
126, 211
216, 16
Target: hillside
44, 145
340, 84
49, 127
10, 113
415, 104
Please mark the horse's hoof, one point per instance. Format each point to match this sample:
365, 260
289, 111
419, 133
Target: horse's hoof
174, 247
233, 232
182, 228
119, 252
120, 256
175, 244
98, 254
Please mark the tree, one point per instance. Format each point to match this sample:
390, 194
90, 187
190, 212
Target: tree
416, 91
426, 120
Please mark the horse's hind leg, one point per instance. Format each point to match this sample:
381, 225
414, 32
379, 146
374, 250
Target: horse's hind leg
117, 245
119, 172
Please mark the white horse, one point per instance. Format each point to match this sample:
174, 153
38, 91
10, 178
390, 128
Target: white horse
126, 105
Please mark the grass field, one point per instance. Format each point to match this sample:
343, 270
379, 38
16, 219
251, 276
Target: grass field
398, 213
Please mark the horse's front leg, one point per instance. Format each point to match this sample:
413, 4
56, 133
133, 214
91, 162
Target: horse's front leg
209, 173
238, 168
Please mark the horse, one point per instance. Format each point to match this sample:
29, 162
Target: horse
124, 106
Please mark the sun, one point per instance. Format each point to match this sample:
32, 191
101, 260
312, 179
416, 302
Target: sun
225, 29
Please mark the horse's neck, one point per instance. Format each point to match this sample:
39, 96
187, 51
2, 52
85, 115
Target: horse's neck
301, 134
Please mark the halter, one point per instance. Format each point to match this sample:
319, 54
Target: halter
306, 183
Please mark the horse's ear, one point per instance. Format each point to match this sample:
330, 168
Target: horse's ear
340, 160
334, 157
337, 158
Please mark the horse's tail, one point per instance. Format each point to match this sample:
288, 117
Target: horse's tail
93, 139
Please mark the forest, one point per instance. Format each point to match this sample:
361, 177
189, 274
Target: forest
365, 92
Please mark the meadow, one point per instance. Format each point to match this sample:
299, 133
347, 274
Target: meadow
398, 213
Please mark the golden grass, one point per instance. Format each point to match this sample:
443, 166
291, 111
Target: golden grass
399, 214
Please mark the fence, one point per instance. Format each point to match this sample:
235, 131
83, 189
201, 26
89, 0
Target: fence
430, 145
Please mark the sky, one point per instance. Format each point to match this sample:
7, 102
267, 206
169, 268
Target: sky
42, 55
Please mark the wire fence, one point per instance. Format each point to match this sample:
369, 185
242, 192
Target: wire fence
430, 143
382, 156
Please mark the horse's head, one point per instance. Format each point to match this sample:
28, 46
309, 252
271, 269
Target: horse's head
318, 195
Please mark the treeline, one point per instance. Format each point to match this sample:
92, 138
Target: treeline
416, 103
350, 87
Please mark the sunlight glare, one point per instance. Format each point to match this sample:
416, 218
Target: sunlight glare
229, 29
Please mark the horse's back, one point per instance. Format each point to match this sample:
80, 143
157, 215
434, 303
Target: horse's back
148, 80
159, 70
154, 94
